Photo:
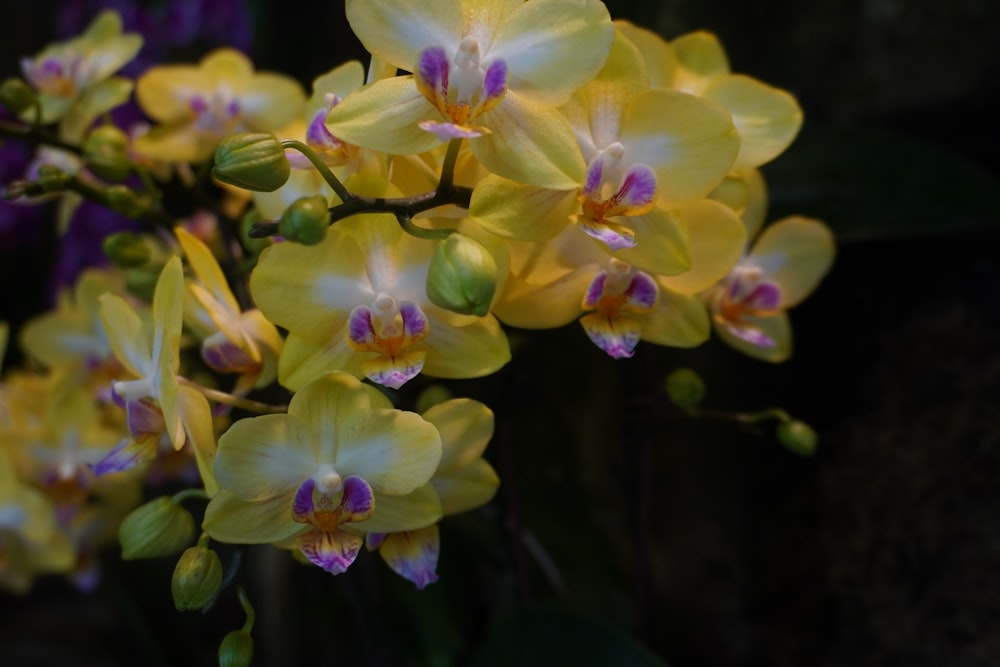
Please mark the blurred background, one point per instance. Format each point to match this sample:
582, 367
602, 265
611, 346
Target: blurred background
623, 535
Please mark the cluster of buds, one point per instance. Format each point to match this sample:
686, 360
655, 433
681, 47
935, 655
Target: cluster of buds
506, 165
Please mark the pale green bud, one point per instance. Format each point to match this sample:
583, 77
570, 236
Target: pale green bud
254, 161
306, 221
124, 200
685, 388
126, 249
17, 95
52, 179
142, 281
236, 649
160, 527
197, 578
105, 152
798, 437
462, 276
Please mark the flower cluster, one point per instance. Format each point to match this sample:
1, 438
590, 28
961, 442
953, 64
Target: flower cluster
497, 165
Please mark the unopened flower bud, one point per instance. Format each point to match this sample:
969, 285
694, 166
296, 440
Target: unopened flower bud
52, 179
306, 221
236, 649
161, 527
798, 437
126, 249
142, 282
685, 388
462, 276
254, 161
105, 152
197, 578
17, 95
124, 200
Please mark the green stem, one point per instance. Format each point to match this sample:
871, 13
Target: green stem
321, 167
234, 401
36, 135
447, 180
742, 417
181, 496
247, 609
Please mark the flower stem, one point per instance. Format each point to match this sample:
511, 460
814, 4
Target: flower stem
234, 401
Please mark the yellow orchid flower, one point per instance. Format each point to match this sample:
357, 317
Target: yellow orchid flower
234, 340
198, 105
74, 78
463, 481
492, 72
342, 462
357, 302
30, 542
782, 267
767, 118
647, 152
569, 277
158, 409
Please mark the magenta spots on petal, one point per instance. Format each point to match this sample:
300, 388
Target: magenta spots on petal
448, 131
595, 175
495, 81
198, 104
359, 326
595, 291
414, 321
432, 68
302, 503
227, 357
751, 334
318, 135
145, 419
606, 234
358, 501
394, 377
413, 555
765, 296
334, 552
617, 337
127, 454
642, 291
638, 188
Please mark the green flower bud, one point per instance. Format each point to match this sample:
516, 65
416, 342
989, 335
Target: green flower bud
254, 161
105, 152
161, 527
306, 221
196, 579
798, 437
142, 282
17, 95
685, 388
462, 276
52, 179
127, 249
236, 649
124, 200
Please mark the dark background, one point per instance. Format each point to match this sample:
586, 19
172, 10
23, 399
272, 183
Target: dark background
707, 542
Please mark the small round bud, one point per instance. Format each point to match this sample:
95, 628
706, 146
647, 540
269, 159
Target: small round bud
105, 152
462, 276
17, 95
236, 649
197, 578
798, 437
685, 388
52, 179
306, 221
161, 527
254, 161
126, 249
124, 200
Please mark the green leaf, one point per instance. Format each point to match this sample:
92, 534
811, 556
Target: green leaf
548, 634
869, 184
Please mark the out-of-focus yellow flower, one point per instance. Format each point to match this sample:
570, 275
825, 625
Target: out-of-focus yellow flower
234, 340
74, 78
197, 105
341, 463
157, 408
357, 302
30, 542
782, 267
492, 72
